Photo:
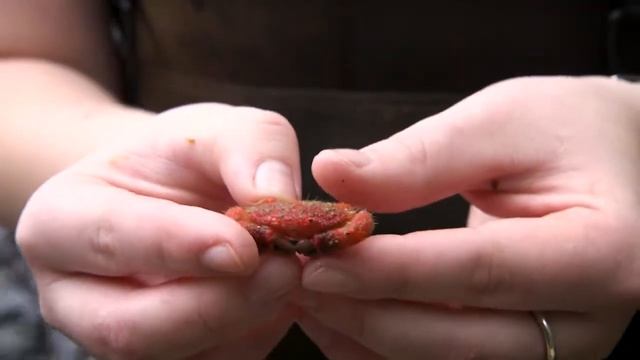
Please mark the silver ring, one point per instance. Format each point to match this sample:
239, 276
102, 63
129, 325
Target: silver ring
549, 343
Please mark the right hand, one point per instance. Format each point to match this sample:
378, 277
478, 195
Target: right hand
132, 256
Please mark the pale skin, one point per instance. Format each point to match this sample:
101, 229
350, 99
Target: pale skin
128, 204
550, 166
127, 199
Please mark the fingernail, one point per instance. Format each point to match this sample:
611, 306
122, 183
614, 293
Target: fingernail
222, 258
330, 280
274, 177
356, 158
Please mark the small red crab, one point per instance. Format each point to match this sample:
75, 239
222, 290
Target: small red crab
307, 227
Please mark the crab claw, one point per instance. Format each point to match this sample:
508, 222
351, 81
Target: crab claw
358, 228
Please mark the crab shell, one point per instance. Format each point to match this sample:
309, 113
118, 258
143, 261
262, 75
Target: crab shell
307, 227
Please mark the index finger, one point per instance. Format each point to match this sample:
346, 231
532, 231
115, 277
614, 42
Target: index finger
517, 263
92, 228
174, 320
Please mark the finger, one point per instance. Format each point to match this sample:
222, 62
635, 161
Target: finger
257, 344
517, 264
177, 319
414, 331
255, 152
95, 228
460, 149
334, 345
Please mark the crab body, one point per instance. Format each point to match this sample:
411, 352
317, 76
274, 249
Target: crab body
307, 227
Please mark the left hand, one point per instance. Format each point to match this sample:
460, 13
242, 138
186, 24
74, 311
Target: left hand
550, 166
132, 255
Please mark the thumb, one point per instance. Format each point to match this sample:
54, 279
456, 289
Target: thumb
463, 148
253, 152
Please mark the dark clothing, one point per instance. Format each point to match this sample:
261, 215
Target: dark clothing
348, 73
374, 45
23, 335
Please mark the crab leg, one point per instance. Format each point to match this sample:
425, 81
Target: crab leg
358, 228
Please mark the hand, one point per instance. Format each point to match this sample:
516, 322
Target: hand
130, 252
550, 166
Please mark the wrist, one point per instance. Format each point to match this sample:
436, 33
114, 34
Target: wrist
42, 150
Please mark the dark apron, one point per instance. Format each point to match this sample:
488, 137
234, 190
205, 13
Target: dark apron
348, 73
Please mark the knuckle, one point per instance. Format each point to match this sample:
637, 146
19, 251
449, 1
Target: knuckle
519, 85
48, 314
48, 309
167, 254
28, 234
112, 336
508, 102
495, 103
516, 94
207, 324
416, 150
405, 282
277, 122
103, 243
194, 109
487, 278
267, 119
364, 324
26, 240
